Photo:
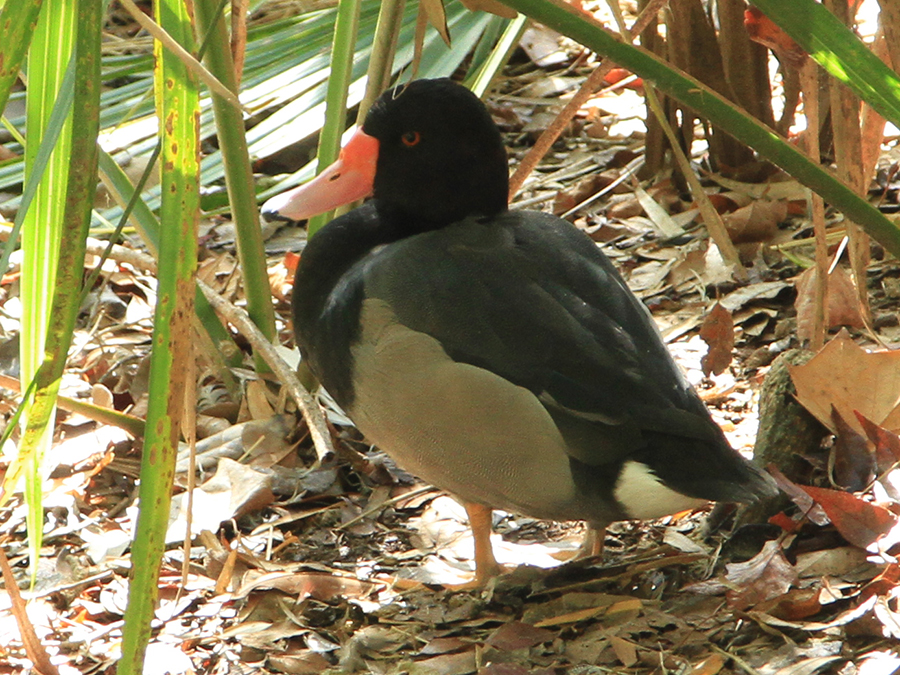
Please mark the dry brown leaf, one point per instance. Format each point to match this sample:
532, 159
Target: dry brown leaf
257, 398
437, 17
764, 577
306, 662
846, 376
235, 489
887, 443
568, 199
492, 6
570, 617
318, 585
717, 331
843, 302
756, 222
517, 635
711, 665
461, 663
625, 651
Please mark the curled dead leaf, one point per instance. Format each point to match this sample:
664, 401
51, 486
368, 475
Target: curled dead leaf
717, 331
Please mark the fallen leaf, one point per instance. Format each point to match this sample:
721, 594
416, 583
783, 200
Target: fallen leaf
541, 44
765, 576
235, 489
796, 604
717, 330
306, 662
846, 376
843, 302
711, 665
890, 620
765, 290
802, 499
809, 666
569, 198
757, 222
832, 562
860, 522
616, 75
887, 443
570, 617
854, 462
625, 651
319, 585
518, 635
461, 663
884, 583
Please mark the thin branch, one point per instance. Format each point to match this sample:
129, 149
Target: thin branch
590, 86
172, 45
312, 413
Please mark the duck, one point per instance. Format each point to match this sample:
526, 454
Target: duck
496, 354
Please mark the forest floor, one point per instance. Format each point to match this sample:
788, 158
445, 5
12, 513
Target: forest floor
346, 567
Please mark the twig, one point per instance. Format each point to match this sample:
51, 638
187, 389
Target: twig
172, 45
738, 661
312, 413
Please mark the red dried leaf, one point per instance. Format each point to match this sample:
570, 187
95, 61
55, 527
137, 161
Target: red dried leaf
763, 30
854, 463
711, 665
785, 522
860, 522
807, 505
718, 332
797, 604
887, 443
883, 584
616, 75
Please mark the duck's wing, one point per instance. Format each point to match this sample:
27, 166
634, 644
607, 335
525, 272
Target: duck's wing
529, 298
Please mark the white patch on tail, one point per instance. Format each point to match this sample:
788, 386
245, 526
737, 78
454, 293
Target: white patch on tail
643, 495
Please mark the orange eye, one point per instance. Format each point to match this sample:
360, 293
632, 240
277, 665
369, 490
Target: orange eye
411, 138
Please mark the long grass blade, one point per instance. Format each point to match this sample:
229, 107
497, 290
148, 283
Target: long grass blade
79, 197
49, 56
339, 78
171, 359
238, 173
62, 106
17, 24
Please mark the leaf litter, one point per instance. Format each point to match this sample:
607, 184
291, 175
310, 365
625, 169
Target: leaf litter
342, 567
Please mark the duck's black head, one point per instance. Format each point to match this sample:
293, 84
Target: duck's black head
440, 157
429, 152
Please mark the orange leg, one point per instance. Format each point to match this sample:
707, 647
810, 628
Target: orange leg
480, 521
593, 542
